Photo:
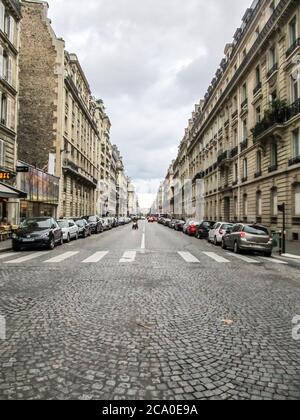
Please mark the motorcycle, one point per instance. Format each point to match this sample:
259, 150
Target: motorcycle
135, 226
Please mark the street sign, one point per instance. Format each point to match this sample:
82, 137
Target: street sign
4, 175
23, 169
281, 208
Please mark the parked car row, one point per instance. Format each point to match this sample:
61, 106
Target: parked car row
237, 237
46, 232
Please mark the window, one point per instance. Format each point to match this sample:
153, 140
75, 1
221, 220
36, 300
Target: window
274, 202
272, 58
3, 108
235, 137
245, 205
294, 87
236, 172
258, 162
274, 155
2, 16
258, 114
293, 31
245, 130
257, 76
2, 153
297, 200
258, 204
245, 169
244, 92
296, 143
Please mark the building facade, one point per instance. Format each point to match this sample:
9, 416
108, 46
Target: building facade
63, 129
10, 16
243, 140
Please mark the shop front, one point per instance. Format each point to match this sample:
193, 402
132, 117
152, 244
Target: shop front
42, 192
10, 204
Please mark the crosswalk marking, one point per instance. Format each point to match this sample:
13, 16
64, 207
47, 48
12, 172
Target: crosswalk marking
8, 255
26, 258
216, 257
98, 256
62, 257
128, 257
188, 257
274, 260
243, 258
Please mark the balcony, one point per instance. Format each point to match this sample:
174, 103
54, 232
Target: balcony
244, 179
234, 152
294, 161
293, 47
244, 145
234, 115
70, 167
257, 89
224, 157
272, 70
277, 117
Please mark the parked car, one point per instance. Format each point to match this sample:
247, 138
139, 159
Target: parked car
166, 222
179, 225
106, 223
84, 229
191, 228
204, 228
95, 224
37, 232
216, 234
69, 229
122, 221
244, 237
150, 220
115, 222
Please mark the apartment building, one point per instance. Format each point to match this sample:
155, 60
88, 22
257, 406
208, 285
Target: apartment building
243, 140
62, 126
10, 15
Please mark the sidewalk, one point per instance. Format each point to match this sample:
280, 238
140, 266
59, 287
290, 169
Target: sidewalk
292, 250
5, 245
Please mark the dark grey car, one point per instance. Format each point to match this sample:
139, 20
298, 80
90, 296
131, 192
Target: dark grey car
244, 237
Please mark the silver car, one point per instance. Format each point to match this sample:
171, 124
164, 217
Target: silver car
244, 237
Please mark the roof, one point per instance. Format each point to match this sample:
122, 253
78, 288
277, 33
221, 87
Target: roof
7, 191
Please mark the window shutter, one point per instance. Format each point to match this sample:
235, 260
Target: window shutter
2, 15
9, 71
1, 61
8, 119
12, 114
11, 34
1, 153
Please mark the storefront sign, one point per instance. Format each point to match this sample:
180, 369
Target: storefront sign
5, 176
22, 169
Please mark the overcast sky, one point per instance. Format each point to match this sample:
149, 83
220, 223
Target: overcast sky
150, 61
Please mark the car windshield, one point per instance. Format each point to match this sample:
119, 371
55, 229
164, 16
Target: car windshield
256, 230
93, 219
227, 227
62, 224
37, 223
80, 223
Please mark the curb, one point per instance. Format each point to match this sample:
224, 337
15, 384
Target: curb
5, 249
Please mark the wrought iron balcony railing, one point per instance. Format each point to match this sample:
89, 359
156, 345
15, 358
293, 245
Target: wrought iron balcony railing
272, 70
293, 47
278, 116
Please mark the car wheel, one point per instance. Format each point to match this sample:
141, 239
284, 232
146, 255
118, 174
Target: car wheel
61, 242
84, 234
215, 241
51, 244
16, 248
236, 248
224, 245
268, 254
77, 236
68, 238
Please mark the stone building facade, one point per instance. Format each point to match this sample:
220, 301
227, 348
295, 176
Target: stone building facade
243, 140
10, 16
63, 128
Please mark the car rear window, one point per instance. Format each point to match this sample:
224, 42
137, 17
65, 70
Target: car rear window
226, 227
62, 224
256, 230
92, 219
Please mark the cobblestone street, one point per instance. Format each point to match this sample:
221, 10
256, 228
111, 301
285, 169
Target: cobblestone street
148, 324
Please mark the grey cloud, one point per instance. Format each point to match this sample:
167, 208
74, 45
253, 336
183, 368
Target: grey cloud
150, 61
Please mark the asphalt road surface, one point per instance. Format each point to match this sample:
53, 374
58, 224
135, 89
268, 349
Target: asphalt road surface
151, 314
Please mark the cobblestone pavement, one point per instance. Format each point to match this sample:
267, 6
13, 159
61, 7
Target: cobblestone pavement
154, 327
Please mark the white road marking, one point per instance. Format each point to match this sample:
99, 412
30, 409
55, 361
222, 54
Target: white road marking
243, 258
188, 257
62, 257
296, 257
128, 257
216, 257
274, 260
98, 256
8, 255
26, 258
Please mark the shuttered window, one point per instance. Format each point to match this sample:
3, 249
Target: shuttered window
2, 153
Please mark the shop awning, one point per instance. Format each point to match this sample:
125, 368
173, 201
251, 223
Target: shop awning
6, 191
